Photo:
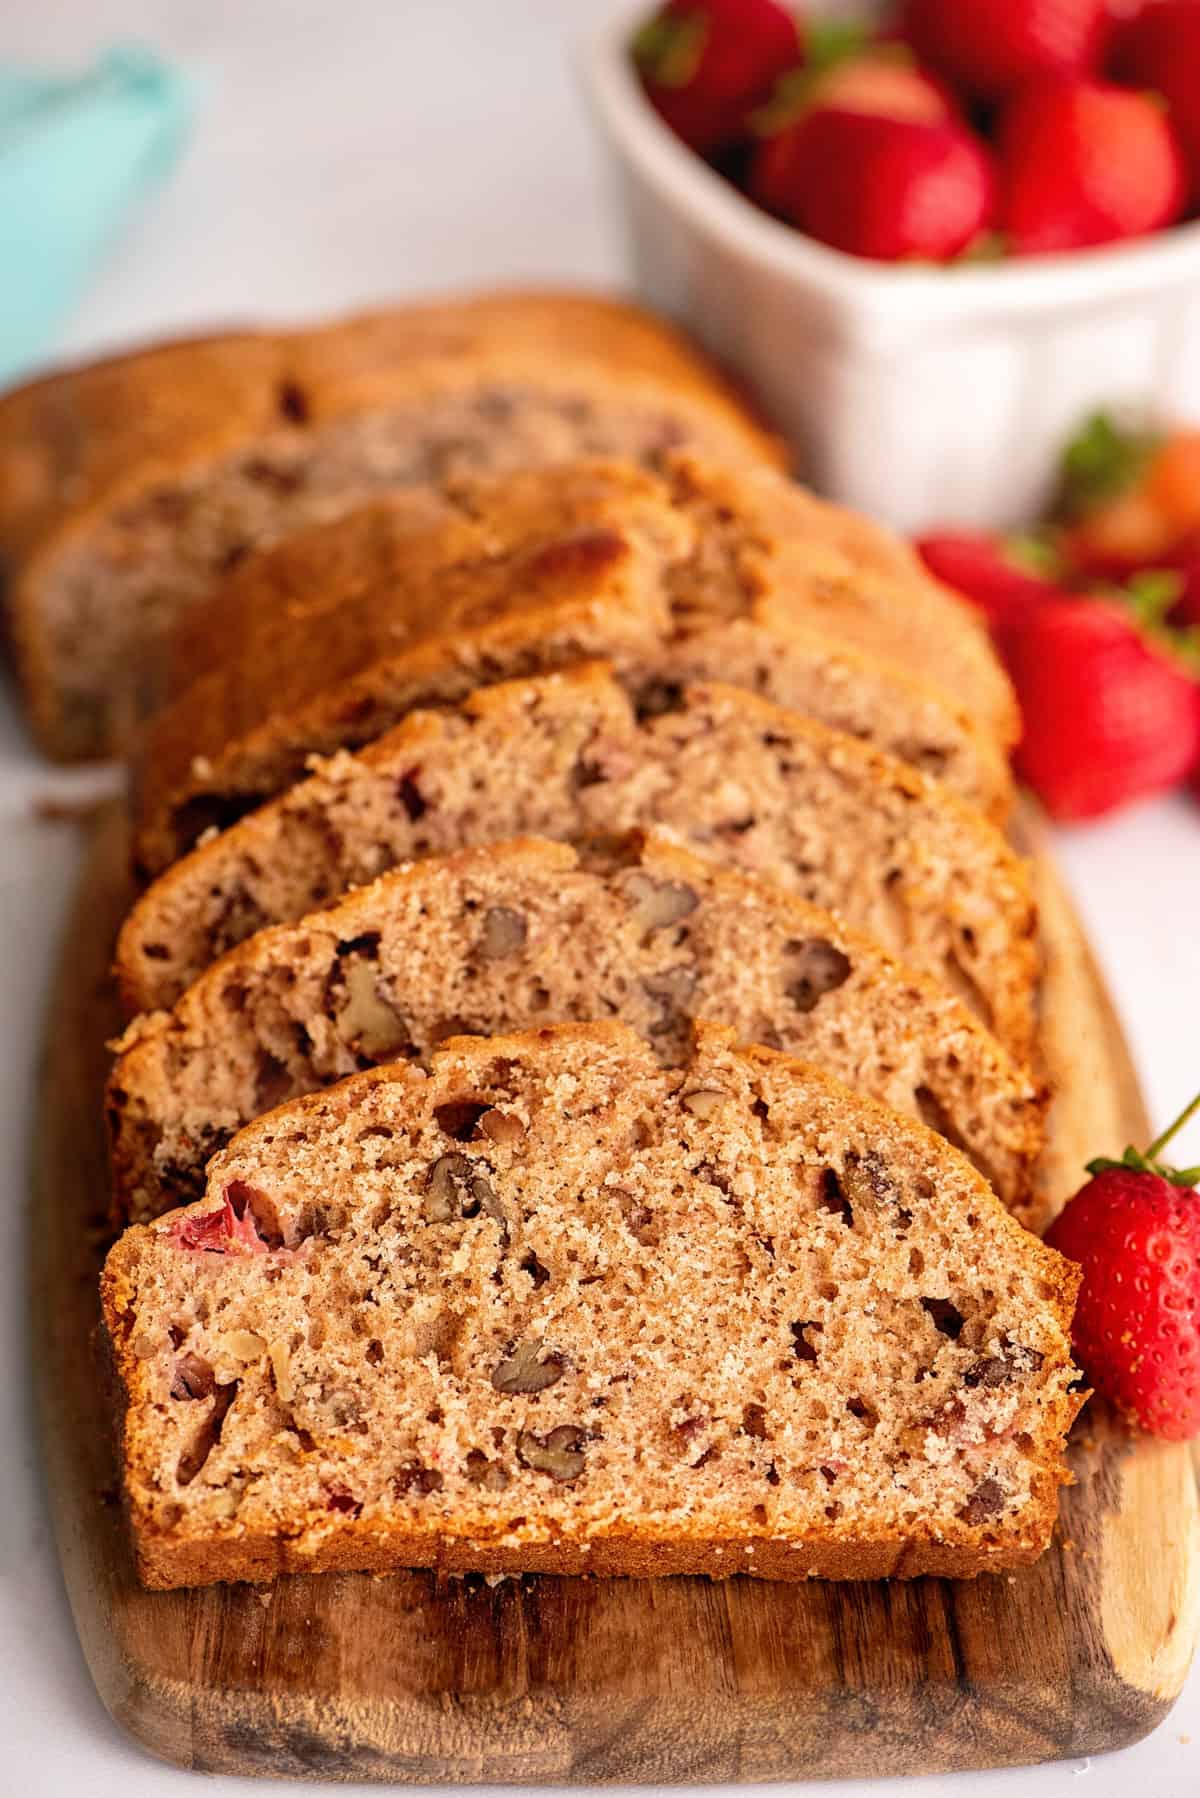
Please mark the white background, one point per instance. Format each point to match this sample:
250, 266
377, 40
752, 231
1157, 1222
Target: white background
346, 152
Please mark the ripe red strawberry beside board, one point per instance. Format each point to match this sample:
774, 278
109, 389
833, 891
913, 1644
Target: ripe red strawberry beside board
1109, 715
1135, 1231
990, 571
1097, 616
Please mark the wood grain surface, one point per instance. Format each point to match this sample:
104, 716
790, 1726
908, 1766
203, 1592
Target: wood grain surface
542, 1680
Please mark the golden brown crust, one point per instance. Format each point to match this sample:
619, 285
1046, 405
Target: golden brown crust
76, 446
326, 639
188, 1552
73, 441
164, 1563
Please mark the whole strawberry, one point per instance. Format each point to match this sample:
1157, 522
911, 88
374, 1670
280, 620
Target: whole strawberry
882, 80
1135, 1231
989, 47
1002, 579
1085, 163
1110, 716
892, 189
1184, 563
1159, 50
707, 64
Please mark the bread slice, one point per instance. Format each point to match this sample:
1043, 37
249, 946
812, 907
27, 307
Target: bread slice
326, 640
530, 932
739, 780
553, 1308
126, 486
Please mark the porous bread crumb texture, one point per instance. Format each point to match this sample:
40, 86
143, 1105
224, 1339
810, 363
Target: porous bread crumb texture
554, 1306
130, 485
528, 933
326, 640
736, 779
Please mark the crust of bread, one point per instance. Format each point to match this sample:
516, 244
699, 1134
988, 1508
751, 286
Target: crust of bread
335, 1542
164, 1562
325, 640
75, 445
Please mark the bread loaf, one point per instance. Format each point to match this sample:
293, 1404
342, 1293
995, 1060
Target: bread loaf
326, 640
530, 932
739, 780
554, 1308
128, 485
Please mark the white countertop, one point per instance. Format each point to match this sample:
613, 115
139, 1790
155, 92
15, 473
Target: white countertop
347, 152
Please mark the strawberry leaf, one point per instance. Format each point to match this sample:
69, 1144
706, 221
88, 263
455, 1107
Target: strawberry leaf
988, 246
668, 47
828, 44
1035, 552
830, 41
1152, 592
1145, 1161
1151, 596
1101, 462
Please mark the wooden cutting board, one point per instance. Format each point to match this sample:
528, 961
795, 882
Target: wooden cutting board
417, 1679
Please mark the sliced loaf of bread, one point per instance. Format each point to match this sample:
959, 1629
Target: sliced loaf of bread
554, 1308
739, 780
531, 932
128, 485
326, 640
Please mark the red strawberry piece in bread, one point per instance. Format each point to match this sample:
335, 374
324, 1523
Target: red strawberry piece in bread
891, 189
234, 1229
1110, 716
993, 572
882, 80
989, 47
707, 64
1084, 163
1159, 50
1135, 1231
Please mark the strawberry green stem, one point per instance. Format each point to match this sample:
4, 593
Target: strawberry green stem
1160, 1142
1145, 1161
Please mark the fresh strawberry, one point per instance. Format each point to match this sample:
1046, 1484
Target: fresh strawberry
1003, 577
887, 188
707, 64
1174, 480
882, 80
1159, 49
1110, 716
1129, 499
989, 47
1111, 524
1135, 1231
1184, 561
1085, 163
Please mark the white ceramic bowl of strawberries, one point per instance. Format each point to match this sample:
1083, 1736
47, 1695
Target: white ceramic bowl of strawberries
940, 383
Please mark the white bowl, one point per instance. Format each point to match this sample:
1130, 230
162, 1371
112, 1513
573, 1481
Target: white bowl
920, 395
